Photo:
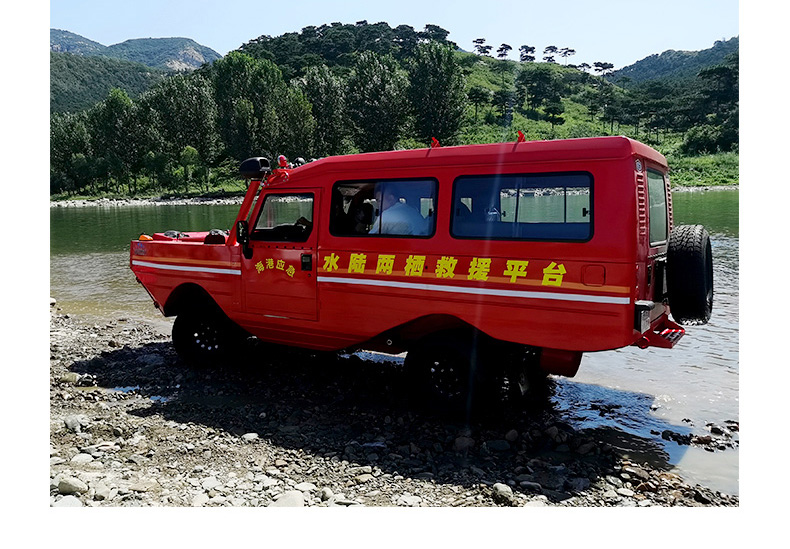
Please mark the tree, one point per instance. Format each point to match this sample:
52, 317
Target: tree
295, 128
188, 158
719, 85
525, 54
503, 50
548, 53
436, 92
377, 38
155, 164
602, 67
183, 112
248, 92
326, 94
109, 127
504, 100
567, 52
554, 110
536, 84
68, 139
377, 103
591, 99
406, 40
612, 105
478, 95
481, 47
435, 33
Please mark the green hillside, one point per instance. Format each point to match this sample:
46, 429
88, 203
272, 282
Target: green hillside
673, 65
82, 72
78, 82
68, 42
164, 53
176, 54
341, 89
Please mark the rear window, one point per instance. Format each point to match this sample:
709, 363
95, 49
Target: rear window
523, 207
657, 196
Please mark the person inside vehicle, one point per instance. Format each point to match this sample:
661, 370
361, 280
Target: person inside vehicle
396, 217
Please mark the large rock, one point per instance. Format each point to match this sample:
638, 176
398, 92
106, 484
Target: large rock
503, 494
292, 498
71, 485
68, 501
306, 487
463, 444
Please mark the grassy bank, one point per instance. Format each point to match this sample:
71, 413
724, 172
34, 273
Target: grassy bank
711, 170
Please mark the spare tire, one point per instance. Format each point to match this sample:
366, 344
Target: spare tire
690, 274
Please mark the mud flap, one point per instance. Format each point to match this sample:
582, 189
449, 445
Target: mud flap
561, 363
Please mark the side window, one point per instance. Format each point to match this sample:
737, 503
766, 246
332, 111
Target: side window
524, 207
384, 208
656, 194
284, 218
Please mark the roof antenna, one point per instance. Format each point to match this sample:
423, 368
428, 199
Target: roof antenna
521, 138
435, 143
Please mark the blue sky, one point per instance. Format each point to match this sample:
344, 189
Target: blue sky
616, 31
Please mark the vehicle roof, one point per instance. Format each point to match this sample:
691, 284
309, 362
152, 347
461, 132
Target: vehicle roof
592, 148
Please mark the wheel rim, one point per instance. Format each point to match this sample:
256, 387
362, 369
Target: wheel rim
207, 338
447, 378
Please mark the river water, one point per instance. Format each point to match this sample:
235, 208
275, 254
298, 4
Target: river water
629, 396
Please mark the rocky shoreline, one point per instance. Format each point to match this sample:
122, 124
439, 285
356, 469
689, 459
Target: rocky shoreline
238, 199
159, 201
132, 426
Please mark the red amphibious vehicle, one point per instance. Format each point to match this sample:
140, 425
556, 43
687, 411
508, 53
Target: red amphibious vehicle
460, 256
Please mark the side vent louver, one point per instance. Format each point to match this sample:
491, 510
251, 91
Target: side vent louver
641, 204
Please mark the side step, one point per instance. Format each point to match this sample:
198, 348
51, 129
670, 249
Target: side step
665, 335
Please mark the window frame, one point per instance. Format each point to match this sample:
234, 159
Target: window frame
657, 243
591, 187
433, 180
258, 231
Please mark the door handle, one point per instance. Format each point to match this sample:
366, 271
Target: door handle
307, 262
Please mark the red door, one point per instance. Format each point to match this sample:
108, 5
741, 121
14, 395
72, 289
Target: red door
279, 279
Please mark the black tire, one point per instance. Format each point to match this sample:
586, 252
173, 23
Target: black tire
513, 378
205, 337
444, 369
690, 274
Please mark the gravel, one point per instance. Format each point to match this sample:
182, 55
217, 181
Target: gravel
137, 427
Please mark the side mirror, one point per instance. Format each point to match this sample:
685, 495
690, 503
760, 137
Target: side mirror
243, 237
254, 168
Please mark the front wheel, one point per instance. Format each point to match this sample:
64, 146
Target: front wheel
205, 337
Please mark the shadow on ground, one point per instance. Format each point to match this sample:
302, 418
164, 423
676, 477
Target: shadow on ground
365, 412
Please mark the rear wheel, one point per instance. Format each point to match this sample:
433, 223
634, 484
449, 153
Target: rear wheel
513, 378
444, 369
690, 274
205, 336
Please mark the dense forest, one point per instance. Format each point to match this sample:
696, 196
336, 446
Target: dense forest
342, 88
78, 82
